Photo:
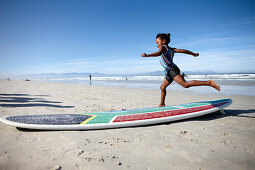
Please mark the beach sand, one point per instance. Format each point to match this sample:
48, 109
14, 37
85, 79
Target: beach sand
214, 141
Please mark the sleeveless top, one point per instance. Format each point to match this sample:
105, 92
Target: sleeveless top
166, 59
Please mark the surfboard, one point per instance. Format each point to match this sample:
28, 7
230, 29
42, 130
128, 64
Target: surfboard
116, 119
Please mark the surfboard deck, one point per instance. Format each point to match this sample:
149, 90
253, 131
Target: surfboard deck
116, 119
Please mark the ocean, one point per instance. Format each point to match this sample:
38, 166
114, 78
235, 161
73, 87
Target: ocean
231, 84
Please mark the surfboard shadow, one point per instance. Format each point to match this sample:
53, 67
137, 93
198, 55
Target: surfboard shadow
229, 112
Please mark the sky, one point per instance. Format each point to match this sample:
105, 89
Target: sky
109, 36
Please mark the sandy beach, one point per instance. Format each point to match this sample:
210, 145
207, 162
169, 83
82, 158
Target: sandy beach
210, 142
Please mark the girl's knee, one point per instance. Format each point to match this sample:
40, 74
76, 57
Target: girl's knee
162, 88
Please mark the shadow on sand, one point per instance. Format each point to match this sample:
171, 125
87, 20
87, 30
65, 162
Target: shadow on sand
26, 100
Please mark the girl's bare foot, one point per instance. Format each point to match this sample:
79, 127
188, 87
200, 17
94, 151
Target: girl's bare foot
161, 105
214, 85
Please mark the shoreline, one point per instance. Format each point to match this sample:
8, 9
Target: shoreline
243, 88
214, 141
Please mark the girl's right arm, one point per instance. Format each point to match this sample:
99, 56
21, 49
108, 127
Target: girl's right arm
156, 54
186, 52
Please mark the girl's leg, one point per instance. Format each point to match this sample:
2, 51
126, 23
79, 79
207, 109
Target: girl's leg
163, 87
179, 79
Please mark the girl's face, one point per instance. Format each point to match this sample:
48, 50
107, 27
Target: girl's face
160, 42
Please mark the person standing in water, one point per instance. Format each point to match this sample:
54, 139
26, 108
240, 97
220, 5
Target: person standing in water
171, 70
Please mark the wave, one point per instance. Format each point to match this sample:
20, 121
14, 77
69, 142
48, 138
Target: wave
238, 77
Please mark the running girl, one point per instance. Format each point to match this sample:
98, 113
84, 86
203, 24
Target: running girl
172, 72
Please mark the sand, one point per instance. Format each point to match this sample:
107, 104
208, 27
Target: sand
214, 141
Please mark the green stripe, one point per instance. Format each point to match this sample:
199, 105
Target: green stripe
105, 117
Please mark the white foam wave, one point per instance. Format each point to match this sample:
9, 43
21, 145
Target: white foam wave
224, 76
238, 77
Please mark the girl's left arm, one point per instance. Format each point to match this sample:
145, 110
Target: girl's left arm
186, 52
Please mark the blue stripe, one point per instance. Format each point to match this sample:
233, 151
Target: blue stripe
169, 60
163, 63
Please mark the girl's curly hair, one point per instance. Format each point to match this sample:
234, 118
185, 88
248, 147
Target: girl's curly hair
164, 36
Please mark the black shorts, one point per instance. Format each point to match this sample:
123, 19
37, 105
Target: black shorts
171, 73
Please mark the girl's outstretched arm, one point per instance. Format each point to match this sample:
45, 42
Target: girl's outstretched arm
186, 52
156, 54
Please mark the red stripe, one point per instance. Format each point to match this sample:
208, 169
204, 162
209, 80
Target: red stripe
161, 114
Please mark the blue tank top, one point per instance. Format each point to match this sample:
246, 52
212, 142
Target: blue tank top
166, 59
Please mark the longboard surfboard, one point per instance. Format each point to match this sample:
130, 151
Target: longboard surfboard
116, 119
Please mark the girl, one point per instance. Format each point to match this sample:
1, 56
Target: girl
172, 72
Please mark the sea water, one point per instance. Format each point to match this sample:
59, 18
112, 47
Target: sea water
231, 84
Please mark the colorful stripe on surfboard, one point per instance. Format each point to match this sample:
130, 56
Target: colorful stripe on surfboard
117, 116
153, 113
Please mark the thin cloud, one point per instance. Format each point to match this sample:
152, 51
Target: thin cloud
219, 60
243, 21
112, 65
206, 40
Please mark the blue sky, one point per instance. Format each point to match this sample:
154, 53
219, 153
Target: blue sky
60, 36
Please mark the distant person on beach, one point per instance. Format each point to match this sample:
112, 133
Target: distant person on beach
90, 77
172, 72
